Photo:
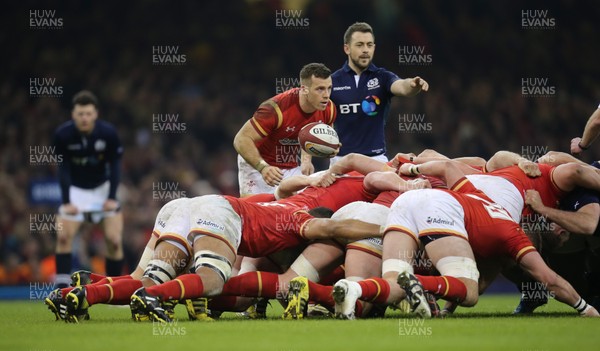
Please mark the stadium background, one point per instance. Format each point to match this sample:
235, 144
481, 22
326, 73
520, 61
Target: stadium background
236, 55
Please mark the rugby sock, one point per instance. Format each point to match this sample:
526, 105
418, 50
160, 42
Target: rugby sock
114, 267
96, 277
63, 270
223, 303
335, 275
446, 287
108, 280
117, 293
321, 294
65, 291
581, 306
375, 290
358, 308
187, 286
254, 284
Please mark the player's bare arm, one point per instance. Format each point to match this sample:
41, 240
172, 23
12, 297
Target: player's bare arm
244, 144
590, 133
555, 158
432, 155
306, 166
409, 86
360, 163
502, 159
583, 221
570, 175
533, 264
449, 171
291, 185
351, 229
389, 181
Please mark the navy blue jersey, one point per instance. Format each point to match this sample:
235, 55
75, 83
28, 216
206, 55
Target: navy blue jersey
362, 109
88, 160
580, 197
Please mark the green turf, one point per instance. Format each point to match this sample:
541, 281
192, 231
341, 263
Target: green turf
28, 325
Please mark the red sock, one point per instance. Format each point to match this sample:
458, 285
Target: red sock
117, 293
446, 287
321, 294
187, 286
65, 291
96, 277
223, 303
375, 290
358, 308
108, 280
335, 275
254, 284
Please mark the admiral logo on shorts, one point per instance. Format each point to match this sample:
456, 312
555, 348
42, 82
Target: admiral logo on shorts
431, 220
208, 224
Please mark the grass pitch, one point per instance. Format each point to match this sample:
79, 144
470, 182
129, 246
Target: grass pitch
28, 325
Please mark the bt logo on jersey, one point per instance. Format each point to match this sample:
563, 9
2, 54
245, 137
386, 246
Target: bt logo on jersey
368, 105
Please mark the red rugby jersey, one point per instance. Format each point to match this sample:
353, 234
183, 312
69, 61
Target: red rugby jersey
344, 190
549, 192
279, 120
268, 227
491, 230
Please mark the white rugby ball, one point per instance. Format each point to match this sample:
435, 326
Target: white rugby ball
319, 139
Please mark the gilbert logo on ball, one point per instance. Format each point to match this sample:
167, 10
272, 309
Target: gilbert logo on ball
369, 105
319, 139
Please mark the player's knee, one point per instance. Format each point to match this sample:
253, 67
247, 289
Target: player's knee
159, 271
212, 283
214, 269
63, 240
472, 296
113, 244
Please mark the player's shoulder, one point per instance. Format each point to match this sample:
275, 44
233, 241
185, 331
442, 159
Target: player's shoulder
105, 128
382, 72
338, 74
65, 128
288, 97
100, 123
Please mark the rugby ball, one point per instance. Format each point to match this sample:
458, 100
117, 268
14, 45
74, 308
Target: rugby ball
319, 139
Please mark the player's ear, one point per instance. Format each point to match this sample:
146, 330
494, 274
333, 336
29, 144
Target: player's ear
303, 89
347, 49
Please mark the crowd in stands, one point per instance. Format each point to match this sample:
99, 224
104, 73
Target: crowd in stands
235, 55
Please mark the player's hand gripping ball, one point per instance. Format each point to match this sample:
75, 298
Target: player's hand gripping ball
319, 139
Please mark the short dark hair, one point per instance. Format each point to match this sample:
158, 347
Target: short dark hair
321, 212
85, 97
357, 27
318, 70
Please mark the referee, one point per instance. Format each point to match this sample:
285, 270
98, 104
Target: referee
89, 176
